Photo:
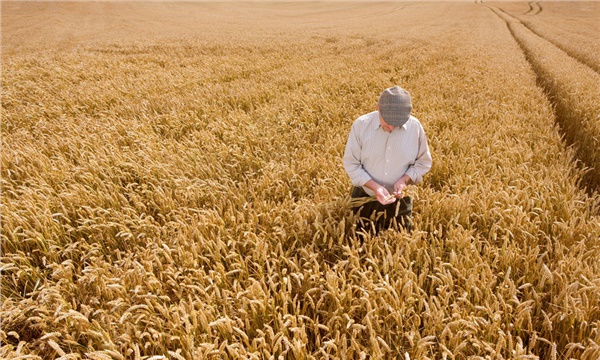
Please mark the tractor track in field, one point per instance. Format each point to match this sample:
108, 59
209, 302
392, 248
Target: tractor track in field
534, 8
565, 108
575, 56
572, 54
563, 48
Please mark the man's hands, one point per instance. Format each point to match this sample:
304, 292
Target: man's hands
383, 195
400, 185
398, 189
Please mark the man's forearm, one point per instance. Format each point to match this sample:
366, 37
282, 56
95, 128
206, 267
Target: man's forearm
371, 184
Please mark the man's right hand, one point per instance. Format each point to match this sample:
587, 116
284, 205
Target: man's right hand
384, 197
381, 193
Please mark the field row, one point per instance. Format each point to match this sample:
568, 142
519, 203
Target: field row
573, 27
185, 197
572, 86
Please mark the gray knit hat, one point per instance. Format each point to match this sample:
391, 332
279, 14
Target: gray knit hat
395, 106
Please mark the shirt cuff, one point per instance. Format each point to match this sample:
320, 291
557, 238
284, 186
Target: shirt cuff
414, 175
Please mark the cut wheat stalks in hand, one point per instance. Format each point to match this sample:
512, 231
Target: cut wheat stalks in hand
356, 202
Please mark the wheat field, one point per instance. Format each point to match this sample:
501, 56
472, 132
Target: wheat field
172, 183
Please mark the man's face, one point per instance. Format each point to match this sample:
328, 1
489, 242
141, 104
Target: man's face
387, 127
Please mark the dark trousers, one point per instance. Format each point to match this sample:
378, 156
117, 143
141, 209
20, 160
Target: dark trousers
376, 217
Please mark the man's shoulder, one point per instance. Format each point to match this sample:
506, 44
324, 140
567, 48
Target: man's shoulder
366, 119
413, 122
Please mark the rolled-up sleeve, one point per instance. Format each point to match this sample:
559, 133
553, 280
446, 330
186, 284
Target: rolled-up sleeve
423, 162
352, 164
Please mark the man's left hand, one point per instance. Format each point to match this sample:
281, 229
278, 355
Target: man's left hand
400, 185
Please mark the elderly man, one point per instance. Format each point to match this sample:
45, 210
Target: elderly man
386, 151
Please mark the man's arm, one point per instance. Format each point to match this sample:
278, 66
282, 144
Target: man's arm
422, 163
358, 175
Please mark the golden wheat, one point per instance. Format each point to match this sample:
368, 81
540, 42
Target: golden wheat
549, 21
172, 187
572, 86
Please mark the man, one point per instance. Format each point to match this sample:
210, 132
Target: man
386, 151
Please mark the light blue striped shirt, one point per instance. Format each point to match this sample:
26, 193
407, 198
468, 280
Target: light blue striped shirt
373, 153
